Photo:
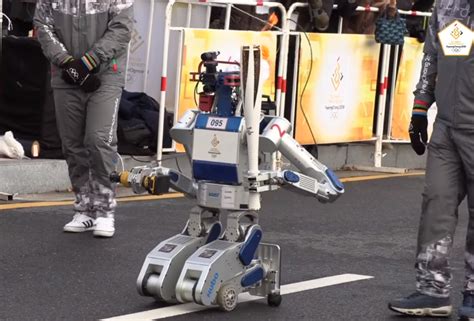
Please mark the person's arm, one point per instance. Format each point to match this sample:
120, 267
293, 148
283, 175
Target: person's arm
425, 89
43, 21
115, 40
424, 92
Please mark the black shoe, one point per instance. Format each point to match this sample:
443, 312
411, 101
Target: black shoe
466, 311
419, 304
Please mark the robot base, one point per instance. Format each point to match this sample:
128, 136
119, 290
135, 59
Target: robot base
161, 268
216, 275
163, 264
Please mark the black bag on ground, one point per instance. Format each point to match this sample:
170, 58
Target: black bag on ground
138, 124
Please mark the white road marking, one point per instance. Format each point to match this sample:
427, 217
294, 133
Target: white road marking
181, 309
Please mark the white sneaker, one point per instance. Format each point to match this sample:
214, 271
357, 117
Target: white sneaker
104, 226
80, 223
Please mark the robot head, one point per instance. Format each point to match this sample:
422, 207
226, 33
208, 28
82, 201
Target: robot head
209, 77
209, 56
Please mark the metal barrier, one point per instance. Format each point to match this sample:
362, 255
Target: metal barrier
383, 80
281, 89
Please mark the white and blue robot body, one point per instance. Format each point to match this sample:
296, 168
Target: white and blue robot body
220, 162
224, 141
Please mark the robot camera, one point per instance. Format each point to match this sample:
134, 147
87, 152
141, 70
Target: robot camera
209, 55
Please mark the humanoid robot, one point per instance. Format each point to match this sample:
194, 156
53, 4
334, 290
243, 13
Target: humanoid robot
225, 140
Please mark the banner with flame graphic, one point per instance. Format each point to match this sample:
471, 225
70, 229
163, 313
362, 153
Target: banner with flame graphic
229, 44
408, 76
337, 89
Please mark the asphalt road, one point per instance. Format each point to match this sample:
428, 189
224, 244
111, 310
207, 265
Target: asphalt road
371, 230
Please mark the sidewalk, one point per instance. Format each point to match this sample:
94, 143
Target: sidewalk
26, 178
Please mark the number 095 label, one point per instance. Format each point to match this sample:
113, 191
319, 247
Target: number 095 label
216, 123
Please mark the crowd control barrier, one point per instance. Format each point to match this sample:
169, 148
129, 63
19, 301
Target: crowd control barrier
337, 103
349, 88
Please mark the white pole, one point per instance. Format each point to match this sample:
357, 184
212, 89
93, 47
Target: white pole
252, 108
148, 48
208, 17
295, 97
381, 106
284, 57
188, 15
228, 10
285, 43
393, 86
164, 72
340, 24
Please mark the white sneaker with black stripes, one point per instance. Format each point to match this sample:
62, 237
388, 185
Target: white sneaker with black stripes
80, 223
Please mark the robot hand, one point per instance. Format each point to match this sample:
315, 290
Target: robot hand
326, 189
143, 179
155, 180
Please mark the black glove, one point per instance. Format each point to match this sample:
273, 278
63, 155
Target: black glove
346, 8
418, 133
418, 32
75, 72
91, 84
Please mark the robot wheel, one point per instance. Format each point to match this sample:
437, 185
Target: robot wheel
274, 299
227, 298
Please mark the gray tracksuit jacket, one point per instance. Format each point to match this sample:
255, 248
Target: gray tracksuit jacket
448, 80
101, 28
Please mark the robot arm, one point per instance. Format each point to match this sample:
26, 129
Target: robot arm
155, 180
315, 178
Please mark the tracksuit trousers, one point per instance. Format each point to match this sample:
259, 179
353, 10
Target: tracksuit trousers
449, 178
87, 124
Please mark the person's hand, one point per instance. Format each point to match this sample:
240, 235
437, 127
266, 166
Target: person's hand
418, 131
91, 84
346, 8
418, 32
77, 71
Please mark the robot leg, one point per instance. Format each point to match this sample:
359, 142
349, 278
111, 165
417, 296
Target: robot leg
219, 271
162, 267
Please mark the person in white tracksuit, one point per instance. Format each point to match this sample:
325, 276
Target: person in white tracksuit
86, 42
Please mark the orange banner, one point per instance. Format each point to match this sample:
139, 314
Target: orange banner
408, 75
336, 101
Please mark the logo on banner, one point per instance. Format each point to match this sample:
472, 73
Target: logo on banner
214, 151
335, 101
456, 39
337, 75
